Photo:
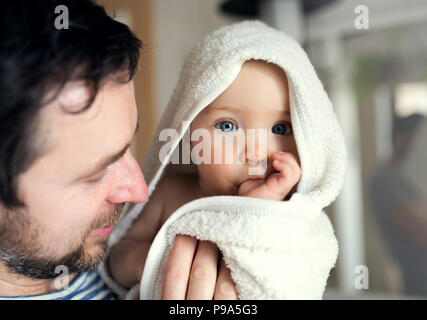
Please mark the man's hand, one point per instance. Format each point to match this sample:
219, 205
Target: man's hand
278, 184
192, 272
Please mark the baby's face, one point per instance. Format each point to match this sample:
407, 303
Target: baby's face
257, 99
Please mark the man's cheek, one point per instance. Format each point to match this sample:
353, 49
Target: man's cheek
53, 241
75, 221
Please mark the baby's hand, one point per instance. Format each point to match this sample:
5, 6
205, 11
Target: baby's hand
278, 184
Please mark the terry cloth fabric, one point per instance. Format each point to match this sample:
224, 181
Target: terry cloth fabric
86, 286
274, 249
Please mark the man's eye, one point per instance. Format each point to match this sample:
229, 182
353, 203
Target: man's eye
282, 128
96, 180
226, 126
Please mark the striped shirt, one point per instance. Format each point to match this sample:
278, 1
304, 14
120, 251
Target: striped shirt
86, 286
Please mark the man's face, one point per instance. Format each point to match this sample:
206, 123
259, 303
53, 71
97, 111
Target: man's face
74, 193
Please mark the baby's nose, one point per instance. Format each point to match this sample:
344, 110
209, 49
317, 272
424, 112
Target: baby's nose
256, 146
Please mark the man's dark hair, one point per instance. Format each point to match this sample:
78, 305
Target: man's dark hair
36, 58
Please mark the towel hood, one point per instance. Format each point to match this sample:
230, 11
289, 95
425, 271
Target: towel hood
214, 64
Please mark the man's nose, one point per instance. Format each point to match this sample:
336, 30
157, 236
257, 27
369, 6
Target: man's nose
131, 186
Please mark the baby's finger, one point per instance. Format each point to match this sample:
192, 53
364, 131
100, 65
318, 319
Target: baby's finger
224, 289
279, 183
288, 171
178, 267
281, 166
286, 157
286, 177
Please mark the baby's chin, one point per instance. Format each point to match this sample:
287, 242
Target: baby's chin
225, 190
229, 190
225, 187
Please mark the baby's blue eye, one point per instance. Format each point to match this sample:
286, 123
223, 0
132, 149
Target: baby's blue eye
281, 128
226, 126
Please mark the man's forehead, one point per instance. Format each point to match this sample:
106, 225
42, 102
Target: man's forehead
74, 96
72, 102
110, 116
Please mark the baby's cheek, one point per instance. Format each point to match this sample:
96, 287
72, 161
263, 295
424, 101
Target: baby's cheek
219, 177
287, 144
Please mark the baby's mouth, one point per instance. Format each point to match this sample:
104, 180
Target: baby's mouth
262, 177
248, 179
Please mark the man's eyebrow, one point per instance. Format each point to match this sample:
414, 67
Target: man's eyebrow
108, 160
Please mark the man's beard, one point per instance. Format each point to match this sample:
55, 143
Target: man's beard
24, 257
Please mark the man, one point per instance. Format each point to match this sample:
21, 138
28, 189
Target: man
67, 119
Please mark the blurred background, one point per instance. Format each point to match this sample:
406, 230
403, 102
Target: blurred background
372, 59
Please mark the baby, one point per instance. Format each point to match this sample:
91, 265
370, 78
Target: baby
257, 99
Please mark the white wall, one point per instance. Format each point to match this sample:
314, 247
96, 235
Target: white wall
180, 24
